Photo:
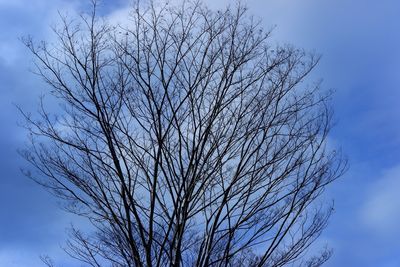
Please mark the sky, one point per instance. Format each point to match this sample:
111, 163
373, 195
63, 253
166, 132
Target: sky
359, 41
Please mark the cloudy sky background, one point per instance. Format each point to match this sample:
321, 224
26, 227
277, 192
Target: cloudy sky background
360, 44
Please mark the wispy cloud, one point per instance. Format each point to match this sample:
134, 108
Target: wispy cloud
380, 212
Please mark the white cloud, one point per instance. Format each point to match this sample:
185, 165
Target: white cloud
381, 209
120, 16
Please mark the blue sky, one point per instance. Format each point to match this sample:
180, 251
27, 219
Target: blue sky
360, 44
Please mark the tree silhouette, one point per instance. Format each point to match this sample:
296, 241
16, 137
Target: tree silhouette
185, 139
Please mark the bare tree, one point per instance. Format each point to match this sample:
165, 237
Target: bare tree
185, 138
